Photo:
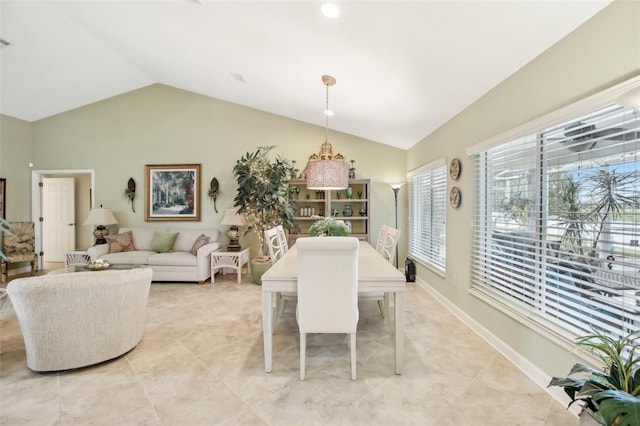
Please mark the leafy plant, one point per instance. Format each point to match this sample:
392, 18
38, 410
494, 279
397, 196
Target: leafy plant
611, 396
329, 226
609, 192
262, 194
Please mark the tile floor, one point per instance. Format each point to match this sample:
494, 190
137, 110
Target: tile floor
201, 363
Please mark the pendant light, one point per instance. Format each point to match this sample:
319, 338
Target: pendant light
326, 171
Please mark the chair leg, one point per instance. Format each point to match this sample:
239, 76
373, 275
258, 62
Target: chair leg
381, 307
353, 355
34, 266
303, 353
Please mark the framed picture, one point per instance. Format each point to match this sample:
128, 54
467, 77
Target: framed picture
172, 192
3, 198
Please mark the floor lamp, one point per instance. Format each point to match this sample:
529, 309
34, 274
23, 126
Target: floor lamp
396, 187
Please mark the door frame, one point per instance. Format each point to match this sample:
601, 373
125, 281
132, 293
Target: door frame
36, 199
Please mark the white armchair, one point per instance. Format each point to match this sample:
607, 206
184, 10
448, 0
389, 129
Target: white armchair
327, 290
77, 319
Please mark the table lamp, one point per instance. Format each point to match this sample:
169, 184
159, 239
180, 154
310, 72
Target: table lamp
235, 220
101, 217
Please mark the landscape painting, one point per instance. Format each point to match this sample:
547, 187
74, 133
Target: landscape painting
172, 192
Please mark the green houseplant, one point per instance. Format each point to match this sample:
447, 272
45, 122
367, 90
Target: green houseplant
263, 194
611, 396
329, 226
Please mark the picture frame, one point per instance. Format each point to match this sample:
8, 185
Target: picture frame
3, 198
172, 192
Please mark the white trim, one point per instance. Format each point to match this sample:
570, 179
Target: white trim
435, 163
538, 376
599, 100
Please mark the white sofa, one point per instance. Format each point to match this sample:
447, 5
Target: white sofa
79, 319
176, 265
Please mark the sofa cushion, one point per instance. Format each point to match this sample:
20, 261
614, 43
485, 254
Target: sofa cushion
186, 238
200, 241
120, 242
138, 257
142, 237
163, 241
177, 258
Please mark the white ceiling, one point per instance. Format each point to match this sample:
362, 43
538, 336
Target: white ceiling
403, 68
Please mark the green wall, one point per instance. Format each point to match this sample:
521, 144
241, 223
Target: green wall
15, 155
602, 52
163, 125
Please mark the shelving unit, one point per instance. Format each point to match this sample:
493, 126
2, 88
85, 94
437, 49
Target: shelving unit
327, 203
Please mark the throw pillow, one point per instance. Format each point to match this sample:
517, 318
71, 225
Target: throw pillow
120, 242
163, 241
200, 241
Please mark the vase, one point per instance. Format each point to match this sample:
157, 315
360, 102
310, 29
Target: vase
349, 193
347, 211
258, 269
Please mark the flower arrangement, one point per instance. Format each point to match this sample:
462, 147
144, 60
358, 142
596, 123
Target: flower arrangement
329, 226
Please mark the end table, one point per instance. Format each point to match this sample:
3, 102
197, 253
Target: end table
222, 259
77, 257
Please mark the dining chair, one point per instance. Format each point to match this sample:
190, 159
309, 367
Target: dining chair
327, 290
382, 235
386, 246
276, 241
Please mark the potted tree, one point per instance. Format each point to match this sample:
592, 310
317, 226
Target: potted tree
263, 197
612, 395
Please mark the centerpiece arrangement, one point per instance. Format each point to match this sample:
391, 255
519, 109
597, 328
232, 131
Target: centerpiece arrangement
329, 226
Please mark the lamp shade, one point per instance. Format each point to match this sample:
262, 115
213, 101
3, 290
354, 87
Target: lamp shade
232, 218
397, 185
101, 216
327, 174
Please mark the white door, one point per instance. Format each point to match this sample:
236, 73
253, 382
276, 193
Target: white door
59, 218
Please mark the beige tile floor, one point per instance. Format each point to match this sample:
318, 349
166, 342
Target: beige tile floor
201, 363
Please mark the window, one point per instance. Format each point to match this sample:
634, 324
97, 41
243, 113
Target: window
427, 214
557, 222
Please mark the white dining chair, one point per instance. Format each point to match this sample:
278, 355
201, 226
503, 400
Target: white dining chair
386, 246
327, 290
390, 243
382, 235
276, 241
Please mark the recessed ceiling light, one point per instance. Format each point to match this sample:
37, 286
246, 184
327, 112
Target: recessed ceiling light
330, 10
328, 113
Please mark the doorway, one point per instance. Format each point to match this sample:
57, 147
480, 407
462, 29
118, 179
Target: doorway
49, 188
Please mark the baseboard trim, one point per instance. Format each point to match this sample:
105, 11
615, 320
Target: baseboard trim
534, 373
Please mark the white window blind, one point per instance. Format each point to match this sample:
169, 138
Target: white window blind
427, 215
557, 222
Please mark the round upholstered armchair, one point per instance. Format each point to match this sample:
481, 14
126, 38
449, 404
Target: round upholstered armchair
77, 319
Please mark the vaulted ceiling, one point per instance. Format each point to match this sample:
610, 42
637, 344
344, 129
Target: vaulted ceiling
403, 68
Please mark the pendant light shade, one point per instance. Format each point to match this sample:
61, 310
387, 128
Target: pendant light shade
326, 171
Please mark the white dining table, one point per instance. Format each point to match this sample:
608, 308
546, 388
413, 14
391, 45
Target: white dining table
375, 275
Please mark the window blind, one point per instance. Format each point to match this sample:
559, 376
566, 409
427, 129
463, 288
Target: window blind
557, 222
427, 215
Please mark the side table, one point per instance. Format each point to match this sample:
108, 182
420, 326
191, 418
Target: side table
222, 259
77, 257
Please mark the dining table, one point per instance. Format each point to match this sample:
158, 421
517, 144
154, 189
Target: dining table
375, 275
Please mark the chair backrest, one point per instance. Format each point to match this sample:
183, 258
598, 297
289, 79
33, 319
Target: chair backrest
23, 239
283, 238
382, 235
390, 243
327, 284
275, 244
